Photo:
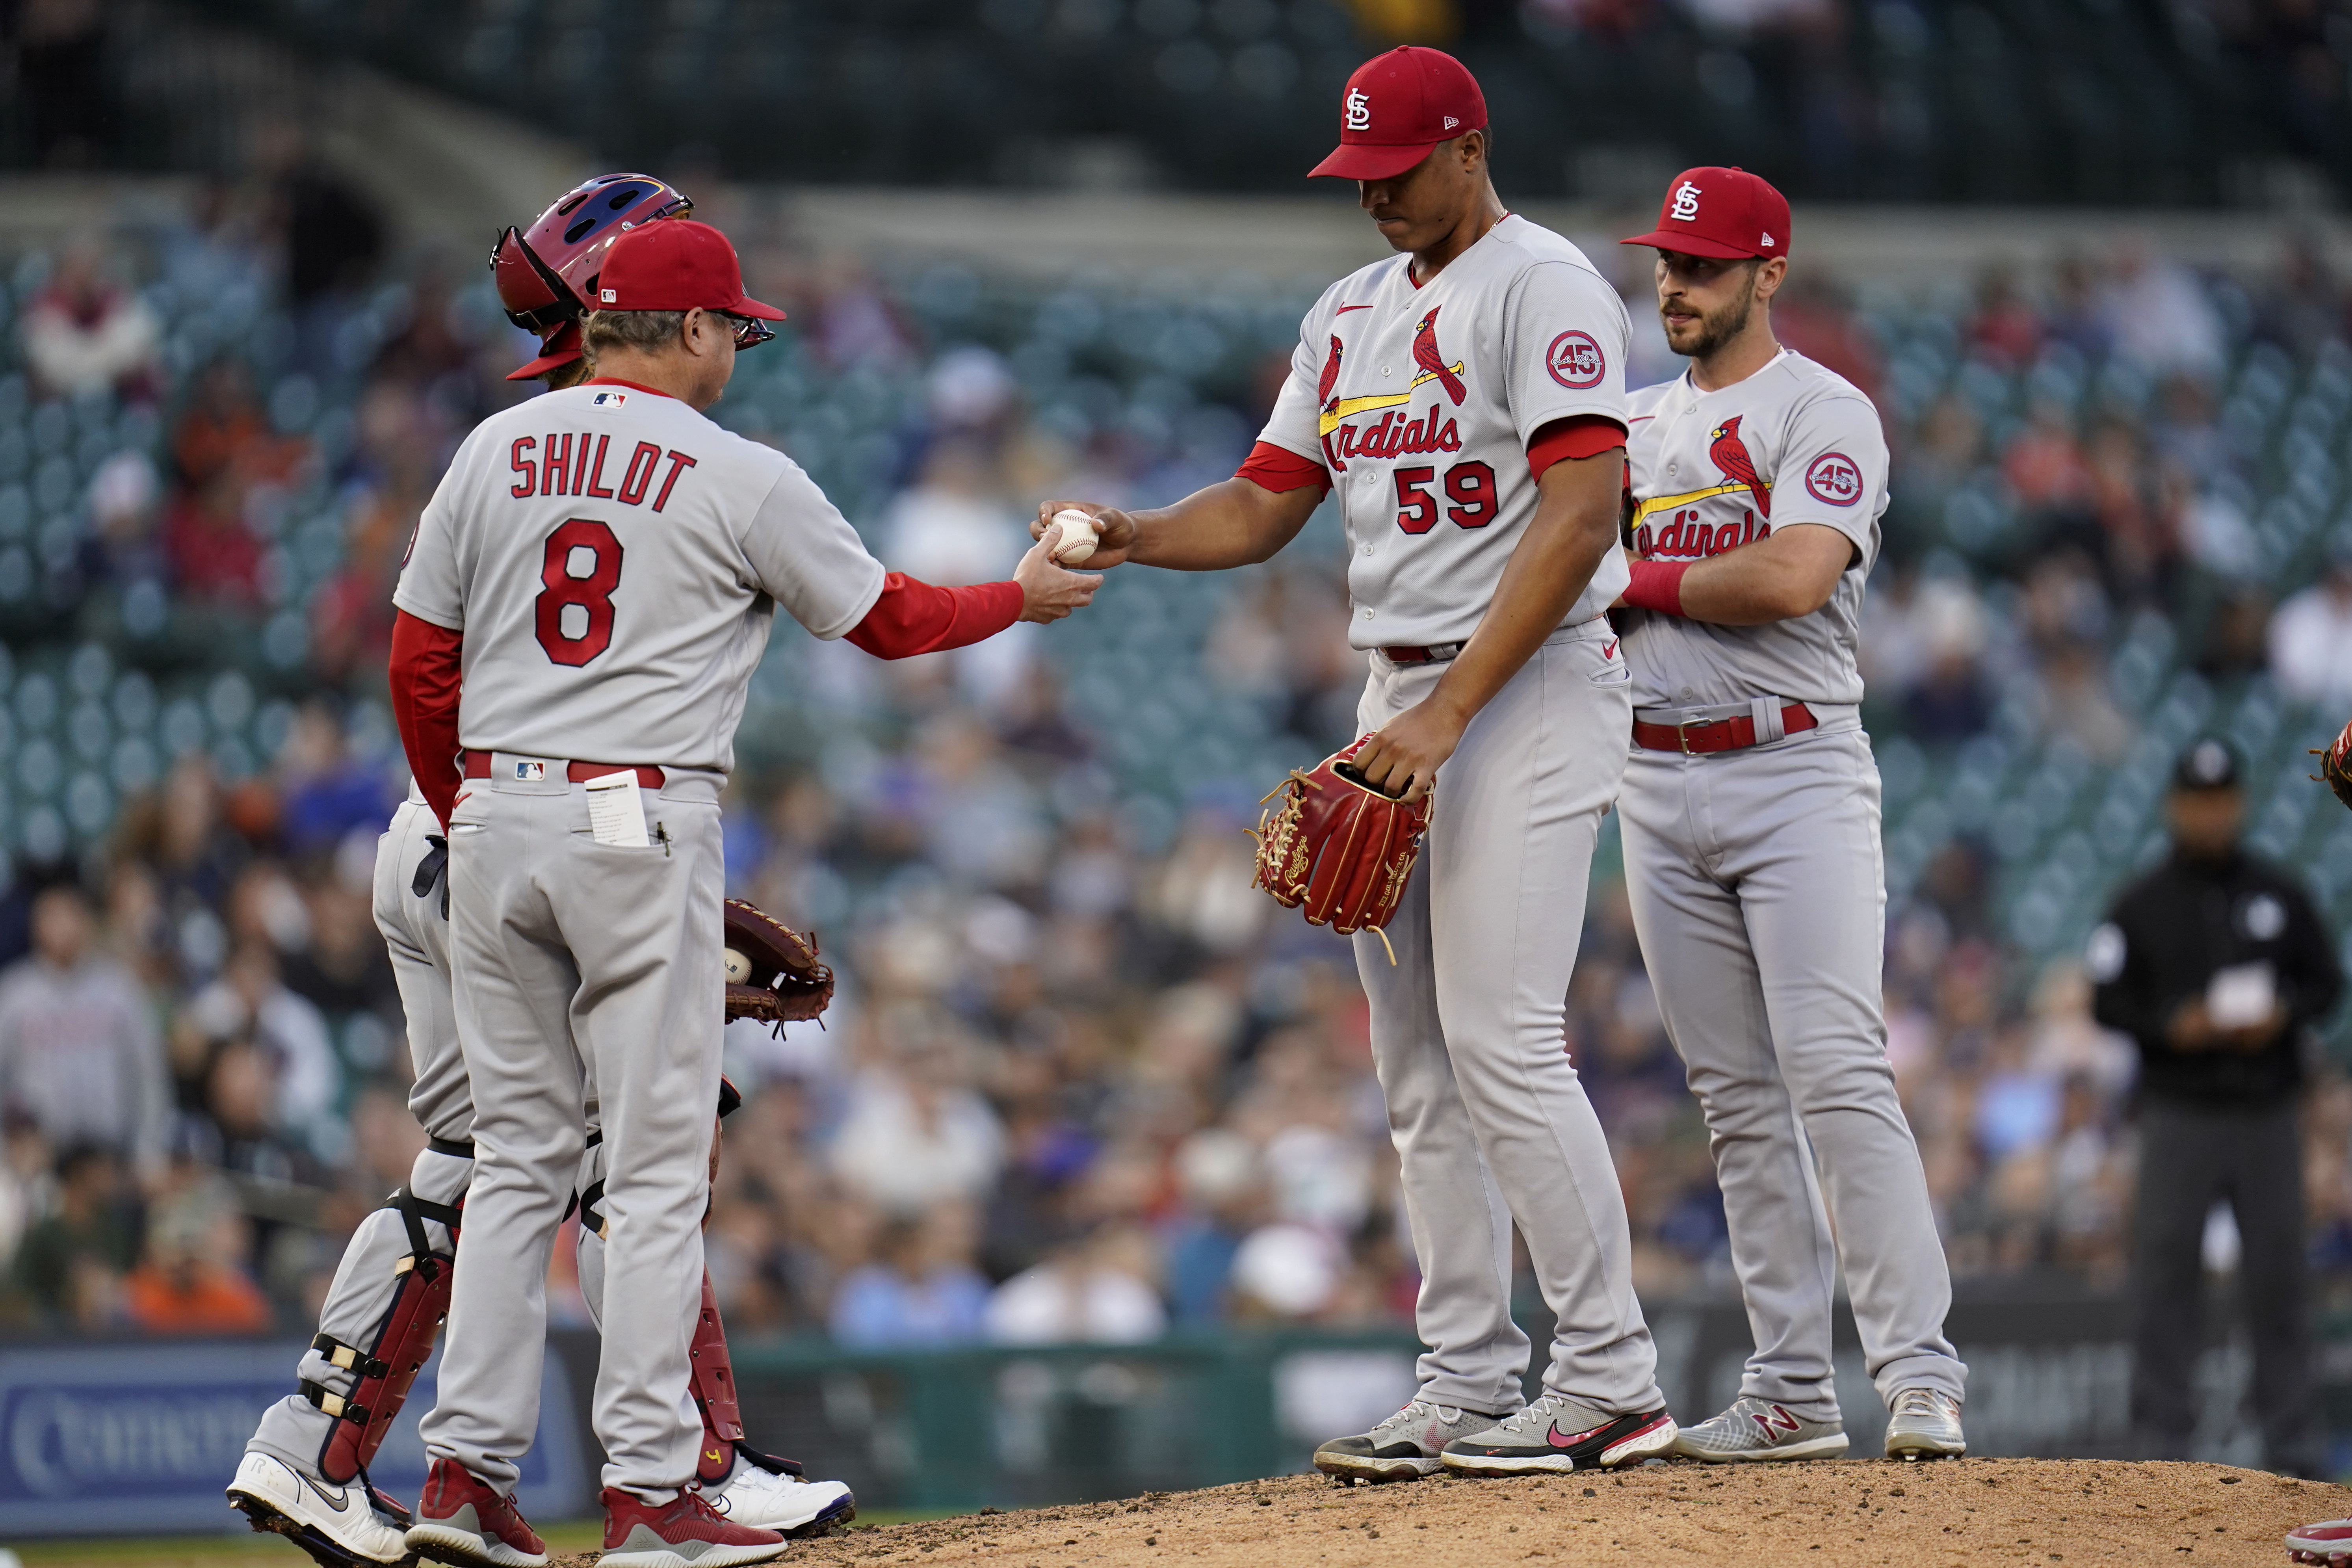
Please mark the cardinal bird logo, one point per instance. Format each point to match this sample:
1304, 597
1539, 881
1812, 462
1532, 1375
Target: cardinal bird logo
1433, 364
1730, 454
1330, 375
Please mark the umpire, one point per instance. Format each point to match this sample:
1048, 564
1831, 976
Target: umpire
2217, 964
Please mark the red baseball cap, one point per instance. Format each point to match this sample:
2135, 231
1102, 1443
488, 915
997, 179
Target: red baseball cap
677, 265
1725, 213
1397, 107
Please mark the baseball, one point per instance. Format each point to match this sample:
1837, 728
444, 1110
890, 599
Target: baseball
738, 968
1078, 535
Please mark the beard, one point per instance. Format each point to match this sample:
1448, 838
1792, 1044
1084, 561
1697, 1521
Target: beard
1717, 328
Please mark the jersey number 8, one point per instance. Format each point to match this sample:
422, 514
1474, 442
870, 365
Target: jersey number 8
574, 610
1469, 486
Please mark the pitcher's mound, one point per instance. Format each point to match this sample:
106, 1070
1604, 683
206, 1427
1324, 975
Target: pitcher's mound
1956, 1513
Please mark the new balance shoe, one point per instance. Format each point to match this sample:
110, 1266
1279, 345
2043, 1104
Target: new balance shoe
1404, 1447
684, 1532
1759, 1429
464, 1520
2329, 1542
1925, 1424
339, 1527
1557, 1432
800, 1509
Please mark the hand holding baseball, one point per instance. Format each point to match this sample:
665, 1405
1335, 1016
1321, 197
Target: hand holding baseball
1109, 532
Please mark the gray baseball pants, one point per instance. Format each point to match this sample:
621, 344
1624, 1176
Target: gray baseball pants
1490, 1121
1759, 896
294, 1430
557, 938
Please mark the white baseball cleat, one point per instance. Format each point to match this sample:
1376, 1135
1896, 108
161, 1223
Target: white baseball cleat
339, 1527
787, 1504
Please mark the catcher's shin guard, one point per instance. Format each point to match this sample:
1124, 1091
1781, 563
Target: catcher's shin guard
378, 1374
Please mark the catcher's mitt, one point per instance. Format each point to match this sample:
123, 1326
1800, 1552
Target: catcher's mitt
773, 974
2336, 766
1339, 848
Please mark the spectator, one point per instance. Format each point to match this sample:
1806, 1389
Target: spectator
2311, 634
85, 332
73, 1261
189, 1281
923, 1289
2215, 965
79, 1053
1094, 1291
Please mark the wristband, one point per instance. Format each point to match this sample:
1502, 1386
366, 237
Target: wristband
1657, 585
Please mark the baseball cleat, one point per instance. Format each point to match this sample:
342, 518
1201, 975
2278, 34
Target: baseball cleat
2328, 1543
1556, 1433
339, 1527
684, 1532
1925, 1424
1758, 1429
464, 1520
798, 1508
1404, 1447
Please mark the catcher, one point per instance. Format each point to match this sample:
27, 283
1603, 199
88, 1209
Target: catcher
306, 1466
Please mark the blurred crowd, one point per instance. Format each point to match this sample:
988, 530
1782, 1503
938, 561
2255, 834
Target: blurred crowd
1082, 1083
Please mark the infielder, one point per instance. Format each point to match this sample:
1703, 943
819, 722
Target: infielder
305, 1473
1463, 399
1752, 859
595, 577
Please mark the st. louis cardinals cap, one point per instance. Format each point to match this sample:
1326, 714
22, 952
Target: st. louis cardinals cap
1729, 213
1397, 107
677, 265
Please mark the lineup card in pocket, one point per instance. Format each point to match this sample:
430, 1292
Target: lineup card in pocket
616, 815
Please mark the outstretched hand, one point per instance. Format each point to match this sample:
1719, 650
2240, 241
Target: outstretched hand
1116, 534
1049, 591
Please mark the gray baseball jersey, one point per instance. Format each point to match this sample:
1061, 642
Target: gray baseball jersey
614, 560
1712, 470
1422, 402
1758, 891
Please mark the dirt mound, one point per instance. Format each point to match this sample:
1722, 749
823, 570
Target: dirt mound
1965, 1511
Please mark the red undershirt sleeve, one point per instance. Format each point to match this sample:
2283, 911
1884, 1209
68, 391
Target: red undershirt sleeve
427, 664
1578, 436
1278, 469
913, 617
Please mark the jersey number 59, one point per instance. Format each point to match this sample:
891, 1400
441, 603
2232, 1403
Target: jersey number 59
574, 610
1469, 485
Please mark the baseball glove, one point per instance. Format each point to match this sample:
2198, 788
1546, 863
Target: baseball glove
773, 974
1339, 847
2336, 766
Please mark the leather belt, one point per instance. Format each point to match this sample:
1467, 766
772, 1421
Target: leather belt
1438, 654
1696, 736
477, 767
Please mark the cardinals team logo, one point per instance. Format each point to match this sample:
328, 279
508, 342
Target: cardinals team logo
1433, 364
1359, 110
1730, 453
1330, 377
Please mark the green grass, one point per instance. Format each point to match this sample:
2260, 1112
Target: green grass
251, 1549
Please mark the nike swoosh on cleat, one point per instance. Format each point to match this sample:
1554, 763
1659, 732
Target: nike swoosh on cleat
1570, 1440
339, 1504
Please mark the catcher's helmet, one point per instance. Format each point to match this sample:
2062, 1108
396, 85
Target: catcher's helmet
547, 274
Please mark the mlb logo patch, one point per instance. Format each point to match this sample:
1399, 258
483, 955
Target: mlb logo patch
609, 399
606, 296
531, 773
